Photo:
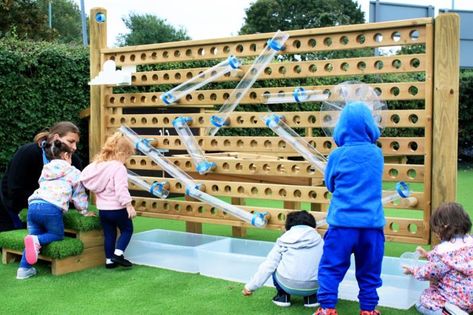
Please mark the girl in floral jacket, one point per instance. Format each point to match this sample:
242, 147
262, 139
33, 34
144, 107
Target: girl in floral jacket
450, 264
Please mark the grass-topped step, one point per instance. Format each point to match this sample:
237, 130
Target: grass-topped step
56, 250
73, 220
81, 248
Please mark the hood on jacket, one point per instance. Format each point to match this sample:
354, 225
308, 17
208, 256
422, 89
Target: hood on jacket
356, 124
56, 169
459, 256
96, 176
300, 236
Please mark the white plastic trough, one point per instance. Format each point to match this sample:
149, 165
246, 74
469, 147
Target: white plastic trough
238, 259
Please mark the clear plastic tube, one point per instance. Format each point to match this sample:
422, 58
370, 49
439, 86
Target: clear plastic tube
181, 124
277, 124
275, 45
299, 95
144, 146
157, 189
402, 191
256, 219
211, 74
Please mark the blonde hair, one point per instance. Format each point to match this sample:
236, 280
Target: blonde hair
61, 128
116, 147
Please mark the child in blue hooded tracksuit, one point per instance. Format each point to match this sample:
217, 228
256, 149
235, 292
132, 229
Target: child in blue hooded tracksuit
356, 219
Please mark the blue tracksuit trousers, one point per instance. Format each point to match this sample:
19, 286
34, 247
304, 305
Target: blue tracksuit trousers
367, 245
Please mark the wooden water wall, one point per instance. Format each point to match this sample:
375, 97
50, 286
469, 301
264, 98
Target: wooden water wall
419, 85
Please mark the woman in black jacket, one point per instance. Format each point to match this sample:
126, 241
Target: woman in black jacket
23, 171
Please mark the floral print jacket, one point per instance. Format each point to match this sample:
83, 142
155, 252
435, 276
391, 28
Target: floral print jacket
450, 271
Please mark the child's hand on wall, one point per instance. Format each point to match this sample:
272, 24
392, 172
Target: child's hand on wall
90, 214
246, 292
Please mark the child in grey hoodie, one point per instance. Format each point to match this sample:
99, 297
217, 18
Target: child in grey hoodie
293, 262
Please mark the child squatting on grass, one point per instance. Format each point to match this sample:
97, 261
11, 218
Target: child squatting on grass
107, 177
58, 183
355, 217
449, 266
292, 262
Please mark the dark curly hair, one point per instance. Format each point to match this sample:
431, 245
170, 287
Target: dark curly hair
54, 149
450, 220
299, 218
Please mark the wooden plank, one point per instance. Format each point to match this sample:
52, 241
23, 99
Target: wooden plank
399, 91
300, 41
391, 146
413, 118
396, 64
193, 227
238, 231
445, 109
98, 40
90, 257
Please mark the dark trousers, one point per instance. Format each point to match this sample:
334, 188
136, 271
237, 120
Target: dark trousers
367, 245
9, 220
111, 220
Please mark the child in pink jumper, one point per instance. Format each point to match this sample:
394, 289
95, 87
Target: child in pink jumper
107, 178
450, 264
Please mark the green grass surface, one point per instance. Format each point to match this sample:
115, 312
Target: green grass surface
145, 290
59, 249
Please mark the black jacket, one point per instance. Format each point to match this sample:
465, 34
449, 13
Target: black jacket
22, 174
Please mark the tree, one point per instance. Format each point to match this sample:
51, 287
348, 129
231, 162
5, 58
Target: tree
28, 19
66, 20
272, 15
24, 19
149, 29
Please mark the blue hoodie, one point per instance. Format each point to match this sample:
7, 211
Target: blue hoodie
355, 170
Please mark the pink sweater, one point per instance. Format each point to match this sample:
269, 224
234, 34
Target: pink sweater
109, 181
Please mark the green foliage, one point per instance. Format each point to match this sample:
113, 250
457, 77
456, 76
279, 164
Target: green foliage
28, 19
24, 19
66, 20
149, 29
59, 249
272, 15
40, 83
465, 128
73, 220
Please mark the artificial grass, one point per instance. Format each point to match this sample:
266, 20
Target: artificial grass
57, 250
73, 220
146, 290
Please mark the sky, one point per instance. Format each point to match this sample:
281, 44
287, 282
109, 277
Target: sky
206, 19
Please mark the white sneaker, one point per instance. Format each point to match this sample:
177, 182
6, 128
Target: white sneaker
25, 273
454, 310
32, 247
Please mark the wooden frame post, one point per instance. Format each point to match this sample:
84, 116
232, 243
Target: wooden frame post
445, 112
98, 41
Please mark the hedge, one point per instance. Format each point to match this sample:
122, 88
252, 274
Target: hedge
40, 83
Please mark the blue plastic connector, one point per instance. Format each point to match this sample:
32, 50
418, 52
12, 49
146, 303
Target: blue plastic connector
403, 189
204, 167
299, 94
100, 17
217, 121
274, 45
167, 98
234, 62
259, 219
181, 121
272, 120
